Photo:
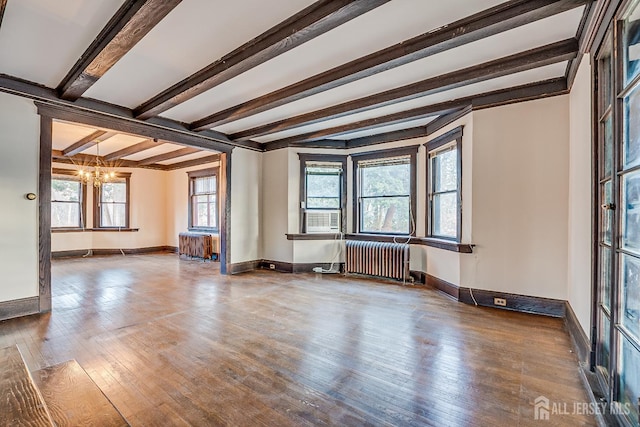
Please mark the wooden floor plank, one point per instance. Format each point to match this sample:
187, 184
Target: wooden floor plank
20, 401
74, 399
171, 342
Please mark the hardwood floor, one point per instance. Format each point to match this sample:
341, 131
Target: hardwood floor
171, 342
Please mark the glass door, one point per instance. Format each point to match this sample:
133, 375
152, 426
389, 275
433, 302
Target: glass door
617, 270
606, 217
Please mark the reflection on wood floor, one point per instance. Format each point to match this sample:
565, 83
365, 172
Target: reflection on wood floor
171, 342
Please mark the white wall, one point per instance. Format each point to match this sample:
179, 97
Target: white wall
275, 206
579, 250
520, 193
246, 190
19, 154
148, 212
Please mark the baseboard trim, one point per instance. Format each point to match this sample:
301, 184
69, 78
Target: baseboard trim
443, 286
243, 267
99, 252
515, 302
19, 308
579, 338
279, 266
308, 267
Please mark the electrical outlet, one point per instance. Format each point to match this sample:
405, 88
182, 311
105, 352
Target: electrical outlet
272, 266
500, 301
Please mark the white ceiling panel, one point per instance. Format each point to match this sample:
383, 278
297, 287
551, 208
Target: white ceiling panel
195, 34
193, 156
524, 77
385, 129
65, 134
41, 40
349, 41
520, 39
514, 41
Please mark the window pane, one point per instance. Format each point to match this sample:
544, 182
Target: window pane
608, 147
630, 303
632, 129
386, 180
606, 214
114, 192
604, 340
631, 212
632, 43
630, 378
605, 276
605, 79
324, 203
212, 214
388, 215
113, 215
445, 215
323, 186
205, 185
445, 170
202, 215
65, 190
65, 214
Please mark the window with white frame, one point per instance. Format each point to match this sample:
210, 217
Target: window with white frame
385, 190
203, 199
444, 186
322, 193
112, 203
67, 198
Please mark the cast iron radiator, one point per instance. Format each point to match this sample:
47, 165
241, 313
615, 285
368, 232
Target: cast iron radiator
378, 259
195, 245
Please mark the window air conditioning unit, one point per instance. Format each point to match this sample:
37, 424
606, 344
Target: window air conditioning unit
321, 221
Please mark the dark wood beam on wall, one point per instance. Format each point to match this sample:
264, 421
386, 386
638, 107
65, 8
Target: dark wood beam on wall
320, 17
44, 214
168, 156
133, 149
492, 21
88, 142
534, 58
125, 29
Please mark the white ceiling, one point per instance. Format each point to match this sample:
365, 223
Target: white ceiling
40, 41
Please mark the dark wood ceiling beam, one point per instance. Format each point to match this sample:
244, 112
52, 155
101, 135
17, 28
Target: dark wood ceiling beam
133, 149
489, 22
581, 35
168, 156
460, 107
391, 119
320, 17
193, 162
88, 142
125, 29
100, 114
87, 160
534, 58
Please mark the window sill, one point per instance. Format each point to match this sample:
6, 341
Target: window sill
82, 230
447, 245
313, 236
203, 230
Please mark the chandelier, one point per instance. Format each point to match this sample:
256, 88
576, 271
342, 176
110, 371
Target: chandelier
99, 173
